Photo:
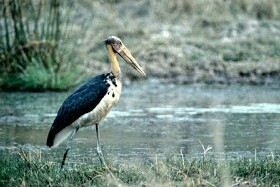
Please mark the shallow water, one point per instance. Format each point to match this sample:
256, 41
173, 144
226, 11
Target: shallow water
156, 119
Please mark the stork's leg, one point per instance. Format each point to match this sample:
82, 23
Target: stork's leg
67, 147
98, 148
100, 154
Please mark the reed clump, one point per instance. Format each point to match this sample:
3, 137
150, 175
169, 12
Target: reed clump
31, 45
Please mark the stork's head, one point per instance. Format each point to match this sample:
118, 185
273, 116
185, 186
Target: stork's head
119, 48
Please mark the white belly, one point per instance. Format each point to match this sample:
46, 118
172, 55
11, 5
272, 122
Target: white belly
103, 108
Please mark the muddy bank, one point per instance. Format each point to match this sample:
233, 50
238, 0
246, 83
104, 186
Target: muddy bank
169, 66
211, 71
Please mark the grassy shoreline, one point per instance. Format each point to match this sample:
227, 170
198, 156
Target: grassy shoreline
33, 168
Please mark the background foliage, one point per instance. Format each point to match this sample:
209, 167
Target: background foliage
33, 46
48, 45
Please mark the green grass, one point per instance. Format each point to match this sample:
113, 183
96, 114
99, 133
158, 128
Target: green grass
34, 168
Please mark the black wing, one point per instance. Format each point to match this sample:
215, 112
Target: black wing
82, 101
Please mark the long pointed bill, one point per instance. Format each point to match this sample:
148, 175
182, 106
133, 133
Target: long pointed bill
127, 56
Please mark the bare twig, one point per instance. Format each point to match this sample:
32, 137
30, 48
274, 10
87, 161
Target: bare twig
208, 148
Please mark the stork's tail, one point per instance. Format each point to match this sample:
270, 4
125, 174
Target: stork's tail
55, 138
50, 138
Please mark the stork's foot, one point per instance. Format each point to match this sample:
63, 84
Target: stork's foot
103, 163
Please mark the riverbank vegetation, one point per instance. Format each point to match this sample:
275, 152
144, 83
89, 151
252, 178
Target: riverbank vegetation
34, 45
47, 45
33, 168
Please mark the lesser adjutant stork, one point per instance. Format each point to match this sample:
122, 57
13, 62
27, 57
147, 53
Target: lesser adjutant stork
91, 102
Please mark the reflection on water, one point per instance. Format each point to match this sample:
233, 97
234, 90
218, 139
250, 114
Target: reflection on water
153, 119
